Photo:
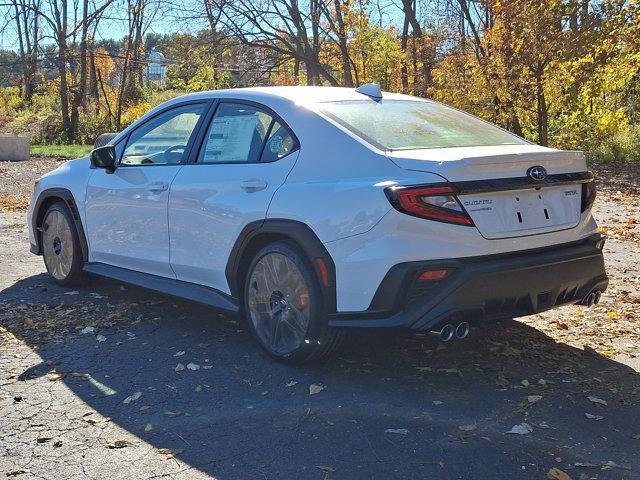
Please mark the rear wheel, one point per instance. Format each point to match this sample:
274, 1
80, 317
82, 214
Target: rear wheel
284, 306
61, 247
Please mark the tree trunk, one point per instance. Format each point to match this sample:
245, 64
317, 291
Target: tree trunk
344, 50
404, 41
64, 87
79, 96
543, 114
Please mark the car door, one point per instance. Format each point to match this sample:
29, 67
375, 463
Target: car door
126, 210
245, 155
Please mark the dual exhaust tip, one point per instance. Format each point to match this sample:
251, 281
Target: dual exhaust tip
448, 331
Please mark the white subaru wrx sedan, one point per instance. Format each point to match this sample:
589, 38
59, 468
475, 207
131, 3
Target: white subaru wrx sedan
310, 210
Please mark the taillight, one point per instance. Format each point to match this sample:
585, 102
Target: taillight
433, 275
588, 195
438, 203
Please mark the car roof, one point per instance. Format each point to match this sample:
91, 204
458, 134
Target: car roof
296, 94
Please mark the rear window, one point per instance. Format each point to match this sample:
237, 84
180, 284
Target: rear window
410, 125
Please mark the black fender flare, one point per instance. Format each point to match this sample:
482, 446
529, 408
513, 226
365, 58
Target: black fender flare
42, 202
257, 234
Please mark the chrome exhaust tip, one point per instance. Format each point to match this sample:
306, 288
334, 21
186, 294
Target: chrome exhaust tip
462, 330
446, 333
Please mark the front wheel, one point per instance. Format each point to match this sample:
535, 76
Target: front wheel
284, 306
61, 247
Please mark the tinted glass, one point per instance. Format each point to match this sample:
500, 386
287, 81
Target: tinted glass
407, 125
236, 134
163, 139
279, 143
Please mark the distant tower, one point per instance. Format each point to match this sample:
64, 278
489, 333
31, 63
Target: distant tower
156, 69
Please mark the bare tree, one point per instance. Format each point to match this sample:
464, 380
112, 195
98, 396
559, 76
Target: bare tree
287, 27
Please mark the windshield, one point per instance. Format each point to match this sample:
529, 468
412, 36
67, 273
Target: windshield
410, 124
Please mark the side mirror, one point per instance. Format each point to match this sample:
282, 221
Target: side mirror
104, 157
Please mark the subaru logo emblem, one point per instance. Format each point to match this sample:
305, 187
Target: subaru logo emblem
537, 173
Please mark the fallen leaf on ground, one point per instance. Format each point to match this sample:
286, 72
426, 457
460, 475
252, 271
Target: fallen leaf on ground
291, 383
448, 370
72, 292
534, 398
179, 354
326, 469
193, 366
467, 428
172, 414
119, 444
525, 383
557, 474
170, 452
148, 427
132, 398
437, 402
314, 388
101, 338
54, 377
17, 471
597, 400
610, 465
397, 431
179, 367
521, 429
87, 330
593, 417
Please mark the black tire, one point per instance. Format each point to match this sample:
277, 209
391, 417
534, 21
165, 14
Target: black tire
65, 242
314, 339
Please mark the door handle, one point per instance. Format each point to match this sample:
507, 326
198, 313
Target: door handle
158, 187
253, 185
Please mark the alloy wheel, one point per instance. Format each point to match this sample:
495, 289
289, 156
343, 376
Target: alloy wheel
278, 303
57, 241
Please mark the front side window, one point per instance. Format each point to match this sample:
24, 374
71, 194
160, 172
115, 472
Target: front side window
163, 140
412, 124
241, 133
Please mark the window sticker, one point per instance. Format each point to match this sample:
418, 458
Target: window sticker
230, 138
275, 143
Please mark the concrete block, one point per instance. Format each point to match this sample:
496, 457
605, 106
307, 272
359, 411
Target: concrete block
13, 148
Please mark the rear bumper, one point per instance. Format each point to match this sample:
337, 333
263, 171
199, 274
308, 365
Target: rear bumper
484, 289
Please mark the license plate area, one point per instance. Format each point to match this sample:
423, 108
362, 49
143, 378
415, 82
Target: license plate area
524, 212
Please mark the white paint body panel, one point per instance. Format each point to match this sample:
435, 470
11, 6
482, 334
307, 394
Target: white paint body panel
334, 184
207, 211
126, 218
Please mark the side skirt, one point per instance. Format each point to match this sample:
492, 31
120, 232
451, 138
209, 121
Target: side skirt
176, 288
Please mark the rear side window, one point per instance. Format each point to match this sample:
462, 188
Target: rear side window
279, 144
410, 125
240, 133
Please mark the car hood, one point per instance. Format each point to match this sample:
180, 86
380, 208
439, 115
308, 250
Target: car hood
478, 163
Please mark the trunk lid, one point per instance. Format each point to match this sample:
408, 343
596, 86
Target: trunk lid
504, 212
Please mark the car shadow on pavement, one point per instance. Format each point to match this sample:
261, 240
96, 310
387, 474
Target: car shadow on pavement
158, 379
